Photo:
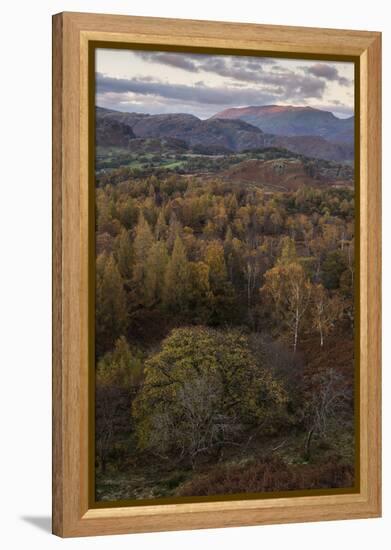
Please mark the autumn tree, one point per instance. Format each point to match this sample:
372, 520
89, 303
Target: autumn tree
161, 227
330, 236
330, 395
104, 243
155, 266
199, 295
128, 213
200, 391
221, 287
220, 219
122, 366
325, 312
175, 293
124, 254
332, 268
143, 241
174, 231
214, 257
210, 230
105, 221
118, 376
288, 253
232, 206
111, 310
289, 291
234, 252
254, 265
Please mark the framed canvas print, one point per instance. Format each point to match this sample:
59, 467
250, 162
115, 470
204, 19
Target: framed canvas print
216, 274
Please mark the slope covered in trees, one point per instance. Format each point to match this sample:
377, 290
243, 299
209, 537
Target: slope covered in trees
224, 324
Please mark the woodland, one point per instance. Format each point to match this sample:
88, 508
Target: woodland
224, 323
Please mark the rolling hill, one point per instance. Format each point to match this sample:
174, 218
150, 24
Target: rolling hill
293, 121
212, 136
226, 135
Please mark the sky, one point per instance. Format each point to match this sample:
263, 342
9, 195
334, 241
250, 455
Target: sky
202, 85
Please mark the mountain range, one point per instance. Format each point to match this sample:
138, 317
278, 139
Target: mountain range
293, 121
302, 130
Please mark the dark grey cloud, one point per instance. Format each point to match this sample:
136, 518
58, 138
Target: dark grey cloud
245, 68
172, 59
328, 72
294, 84
274, 88
238, 69
217, 95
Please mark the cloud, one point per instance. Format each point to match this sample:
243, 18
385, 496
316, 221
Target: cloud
171, 59
246, 70
238, 67
204, 84
327, 72
274, 88
151, 105
215, 95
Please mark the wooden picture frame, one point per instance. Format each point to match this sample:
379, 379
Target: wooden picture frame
72, 34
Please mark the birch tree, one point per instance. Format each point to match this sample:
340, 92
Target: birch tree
289, 290
330, 396
326, 311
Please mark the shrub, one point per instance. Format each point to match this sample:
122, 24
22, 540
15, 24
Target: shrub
269, 474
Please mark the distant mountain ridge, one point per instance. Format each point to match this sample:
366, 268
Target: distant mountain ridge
293, 121
228, 135
214, 135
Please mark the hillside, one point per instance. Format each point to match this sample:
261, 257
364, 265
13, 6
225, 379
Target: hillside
315, 147
112, 133
287, 174
228, 135
293, 121
212, 136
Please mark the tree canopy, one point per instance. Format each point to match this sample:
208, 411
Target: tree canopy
201, 390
